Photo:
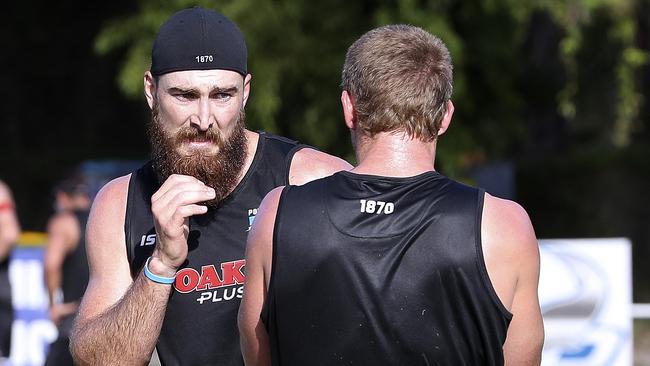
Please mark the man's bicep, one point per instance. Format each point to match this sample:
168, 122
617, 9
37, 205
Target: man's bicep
59, 240
110, 275
255, 289
511, 255
525, 337
259, 248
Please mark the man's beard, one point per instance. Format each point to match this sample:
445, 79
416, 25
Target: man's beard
220, 171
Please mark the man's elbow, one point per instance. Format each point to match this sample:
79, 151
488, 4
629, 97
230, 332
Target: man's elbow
81, 346
244, 337
51, 269
254, 343
526, 351
86, 352
77, 348
538, 346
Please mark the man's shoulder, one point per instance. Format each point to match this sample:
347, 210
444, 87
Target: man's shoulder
309, 164
113, 193
506, 225
64, 218
507, 211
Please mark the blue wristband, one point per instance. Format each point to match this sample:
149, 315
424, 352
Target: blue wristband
156, 278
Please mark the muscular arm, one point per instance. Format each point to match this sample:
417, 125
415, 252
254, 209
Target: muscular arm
119, 318
9, 227
309, 164
253, 336
512, 259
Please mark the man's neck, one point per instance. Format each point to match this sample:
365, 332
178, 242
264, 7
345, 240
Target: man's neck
394, 155
252, 138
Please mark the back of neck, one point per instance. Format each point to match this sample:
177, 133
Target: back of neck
394, 155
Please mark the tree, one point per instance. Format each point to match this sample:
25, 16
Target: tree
296, 50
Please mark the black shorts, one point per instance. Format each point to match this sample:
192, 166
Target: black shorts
6, 320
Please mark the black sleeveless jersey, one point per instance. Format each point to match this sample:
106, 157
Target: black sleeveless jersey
74, 273
200, 325
6, 309
371, 270
75, 265
5, 286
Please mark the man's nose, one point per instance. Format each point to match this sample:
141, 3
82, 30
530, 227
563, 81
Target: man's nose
204, 118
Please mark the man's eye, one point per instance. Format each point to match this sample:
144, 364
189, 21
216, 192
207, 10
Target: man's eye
222, 96
184, 96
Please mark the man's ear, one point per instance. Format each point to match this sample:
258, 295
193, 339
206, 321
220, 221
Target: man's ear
446, 119
349, 110
149, 88
247, 88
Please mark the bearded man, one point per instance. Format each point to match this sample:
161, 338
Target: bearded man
166, 243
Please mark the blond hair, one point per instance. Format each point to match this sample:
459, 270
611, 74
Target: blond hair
400, 77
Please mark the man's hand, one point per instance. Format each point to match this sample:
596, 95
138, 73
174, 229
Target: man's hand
172, 205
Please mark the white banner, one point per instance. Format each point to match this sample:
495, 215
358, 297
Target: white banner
585, 293
32, 331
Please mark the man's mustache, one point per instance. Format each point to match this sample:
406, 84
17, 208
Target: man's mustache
191, 134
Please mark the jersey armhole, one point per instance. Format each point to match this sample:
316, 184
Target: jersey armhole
289, 159
266, 314
130, 249
480, 259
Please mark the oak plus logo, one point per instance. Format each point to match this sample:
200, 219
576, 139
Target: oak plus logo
213, 284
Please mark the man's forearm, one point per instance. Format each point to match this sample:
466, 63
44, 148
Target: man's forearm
53, 283
126, 333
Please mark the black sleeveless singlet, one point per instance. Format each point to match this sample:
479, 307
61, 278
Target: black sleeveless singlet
200, 325
390, 272
74, 273
6, 309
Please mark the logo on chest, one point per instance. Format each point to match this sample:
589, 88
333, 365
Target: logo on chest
251, 217
148, 240
213, 284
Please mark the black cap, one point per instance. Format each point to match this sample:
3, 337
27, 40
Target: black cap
198, 39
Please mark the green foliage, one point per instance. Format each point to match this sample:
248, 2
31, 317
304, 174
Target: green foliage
576, 17
297, 48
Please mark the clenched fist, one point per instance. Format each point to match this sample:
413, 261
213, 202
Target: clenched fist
172, 205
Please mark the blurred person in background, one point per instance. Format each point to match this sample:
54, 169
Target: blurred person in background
66, 266
392, 263
9, 233
166, 243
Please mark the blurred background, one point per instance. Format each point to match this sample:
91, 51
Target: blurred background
550, 95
